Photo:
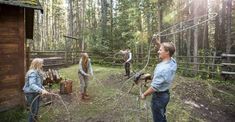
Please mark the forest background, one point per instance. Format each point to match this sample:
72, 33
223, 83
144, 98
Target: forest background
110, 25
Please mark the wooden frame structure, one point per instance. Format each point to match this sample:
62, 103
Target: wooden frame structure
16, 25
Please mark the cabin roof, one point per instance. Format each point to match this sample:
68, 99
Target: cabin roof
23, 3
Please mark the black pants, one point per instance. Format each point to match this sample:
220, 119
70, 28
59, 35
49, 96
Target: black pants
127, 68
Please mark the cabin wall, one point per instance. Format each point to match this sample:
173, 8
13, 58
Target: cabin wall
12, 56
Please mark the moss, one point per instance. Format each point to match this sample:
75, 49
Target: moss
21, 2
30, 2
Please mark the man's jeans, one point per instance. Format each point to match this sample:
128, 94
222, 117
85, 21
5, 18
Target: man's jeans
158, 106
33, 107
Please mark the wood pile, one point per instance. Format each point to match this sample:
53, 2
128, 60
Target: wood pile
51, 76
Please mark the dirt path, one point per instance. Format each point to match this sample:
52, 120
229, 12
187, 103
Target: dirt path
191, 100
207, 102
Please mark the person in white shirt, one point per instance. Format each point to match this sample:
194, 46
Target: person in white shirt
127, 58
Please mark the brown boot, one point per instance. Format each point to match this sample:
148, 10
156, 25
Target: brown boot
82, 96
86, 96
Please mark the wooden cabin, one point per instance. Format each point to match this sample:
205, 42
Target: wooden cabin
16, 25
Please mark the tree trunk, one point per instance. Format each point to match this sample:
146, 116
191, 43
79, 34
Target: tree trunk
189, 44
195, 34
104, 20
160, 15
83, 23
205, 41
47, 24
70, 20
229, 18
38, 37
79, 21
220, 28
111, 24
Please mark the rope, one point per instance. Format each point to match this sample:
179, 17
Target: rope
52, 94
114, 57
160, 34
31, 105
211, 16
98, 82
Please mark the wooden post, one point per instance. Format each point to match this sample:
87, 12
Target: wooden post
76, 51
27, 58
213, 62
72, 56
223, 67
226, 70
187, 64
66, 53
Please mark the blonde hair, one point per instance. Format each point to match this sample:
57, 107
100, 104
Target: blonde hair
168, 46
36, 64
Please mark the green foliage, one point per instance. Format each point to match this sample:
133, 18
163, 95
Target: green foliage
205, 64
14, 115
31, 2
130, 26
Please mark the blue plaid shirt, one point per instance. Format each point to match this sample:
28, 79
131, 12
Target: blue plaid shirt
164, 74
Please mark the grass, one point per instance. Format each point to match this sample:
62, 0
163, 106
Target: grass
14, 115
110, 103
95, 89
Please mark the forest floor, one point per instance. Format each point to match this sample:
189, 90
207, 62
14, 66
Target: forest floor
192, 99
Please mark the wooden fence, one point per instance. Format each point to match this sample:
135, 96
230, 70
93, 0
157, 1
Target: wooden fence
206, 66
52, 59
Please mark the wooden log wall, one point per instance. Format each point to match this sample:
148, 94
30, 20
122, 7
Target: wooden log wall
12, 39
